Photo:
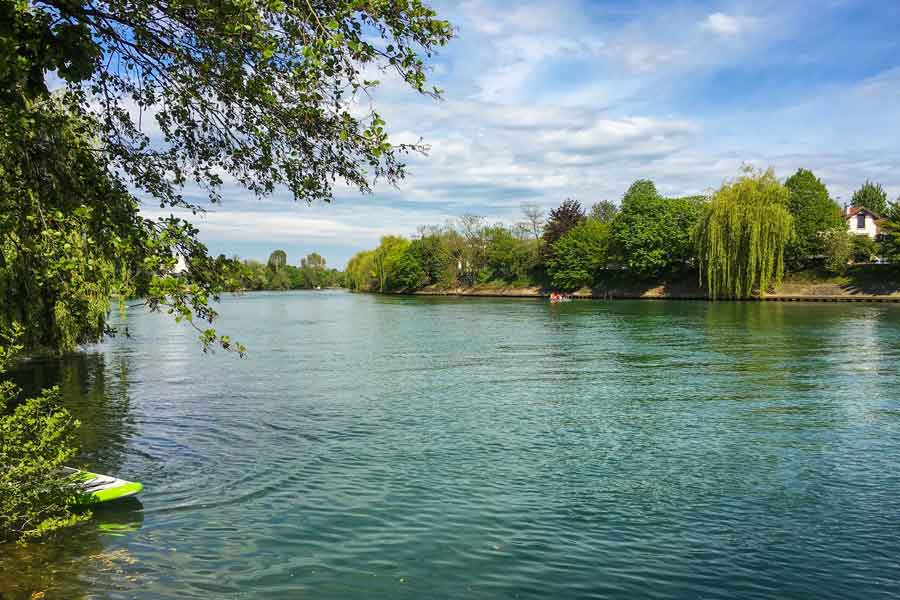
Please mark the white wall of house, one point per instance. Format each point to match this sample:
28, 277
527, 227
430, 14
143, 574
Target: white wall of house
868, 225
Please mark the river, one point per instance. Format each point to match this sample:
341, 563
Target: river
407, 447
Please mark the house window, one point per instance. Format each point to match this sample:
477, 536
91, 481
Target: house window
860, 221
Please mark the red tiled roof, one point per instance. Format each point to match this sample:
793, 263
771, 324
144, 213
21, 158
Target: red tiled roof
855, 210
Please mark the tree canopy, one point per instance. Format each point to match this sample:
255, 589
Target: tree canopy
262, 91
579, 255
277, 260
814, 213
652, 234
604, 211
872, 196
741, 236
563, 218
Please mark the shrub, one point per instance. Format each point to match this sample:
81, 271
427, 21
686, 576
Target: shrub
837, 248
36, 439
865, 249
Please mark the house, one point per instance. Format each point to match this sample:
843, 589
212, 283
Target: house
862, 221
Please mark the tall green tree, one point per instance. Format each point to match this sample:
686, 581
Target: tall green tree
277, 260
408, 272
872, 196
741, 236
652, 234
313, 270
386, 258
360, 272
580, 255
814, 213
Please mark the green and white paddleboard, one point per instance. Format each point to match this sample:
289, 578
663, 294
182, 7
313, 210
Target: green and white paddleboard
95, 488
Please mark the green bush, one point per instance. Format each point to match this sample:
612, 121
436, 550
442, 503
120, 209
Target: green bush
865, 249
37, 438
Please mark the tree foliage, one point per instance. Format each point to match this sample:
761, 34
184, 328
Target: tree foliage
890, 232
864, 249
741, 236
260, 90
37, 438
872, 196
604, 211
814, 213
652, 234
71, 236
563, 218
277, 260
580, 255
837, 248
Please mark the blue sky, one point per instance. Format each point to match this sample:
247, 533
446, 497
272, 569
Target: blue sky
572, 98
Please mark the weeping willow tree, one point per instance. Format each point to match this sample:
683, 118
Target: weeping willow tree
741, 237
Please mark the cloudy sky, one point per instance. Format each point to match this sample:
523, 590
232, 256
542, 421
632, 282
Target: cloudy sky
575, 98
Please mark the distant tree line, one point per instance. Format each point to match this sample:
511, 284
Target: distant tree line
736, 241
277, 274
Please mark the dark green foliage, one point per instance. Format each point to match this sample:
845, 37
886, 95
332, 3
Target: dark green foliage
890, 232
580, 256
563, 218
652, 234
510, 257
814, 213
37, 438
409, 274
872, 196
864, 249
71, 236
604, 211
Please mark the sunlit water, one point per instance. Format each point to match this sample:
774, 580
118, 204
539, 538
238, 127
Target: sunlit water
395, 447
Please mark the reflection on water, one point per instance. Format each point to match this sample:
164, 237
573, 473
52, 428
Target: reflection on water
395, 447
79, 563
94, 387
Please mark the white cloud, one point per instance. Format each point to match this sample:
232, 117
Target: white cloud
726, 25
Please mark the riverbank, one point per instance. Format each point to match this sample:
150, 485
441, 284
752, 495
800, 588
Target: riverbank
865, 283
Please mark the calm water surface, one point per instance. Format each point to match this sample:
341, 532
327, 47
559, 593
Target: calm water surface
392, 447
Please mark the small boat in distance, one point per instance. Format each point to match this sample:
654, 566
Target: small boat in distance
94, 488
556, 298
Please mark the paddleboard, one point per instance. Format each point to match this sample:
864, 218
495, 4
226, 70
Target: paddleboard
95, 488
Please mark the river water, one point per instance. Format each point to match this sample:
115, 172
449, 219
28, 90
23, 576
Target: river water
401, 447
